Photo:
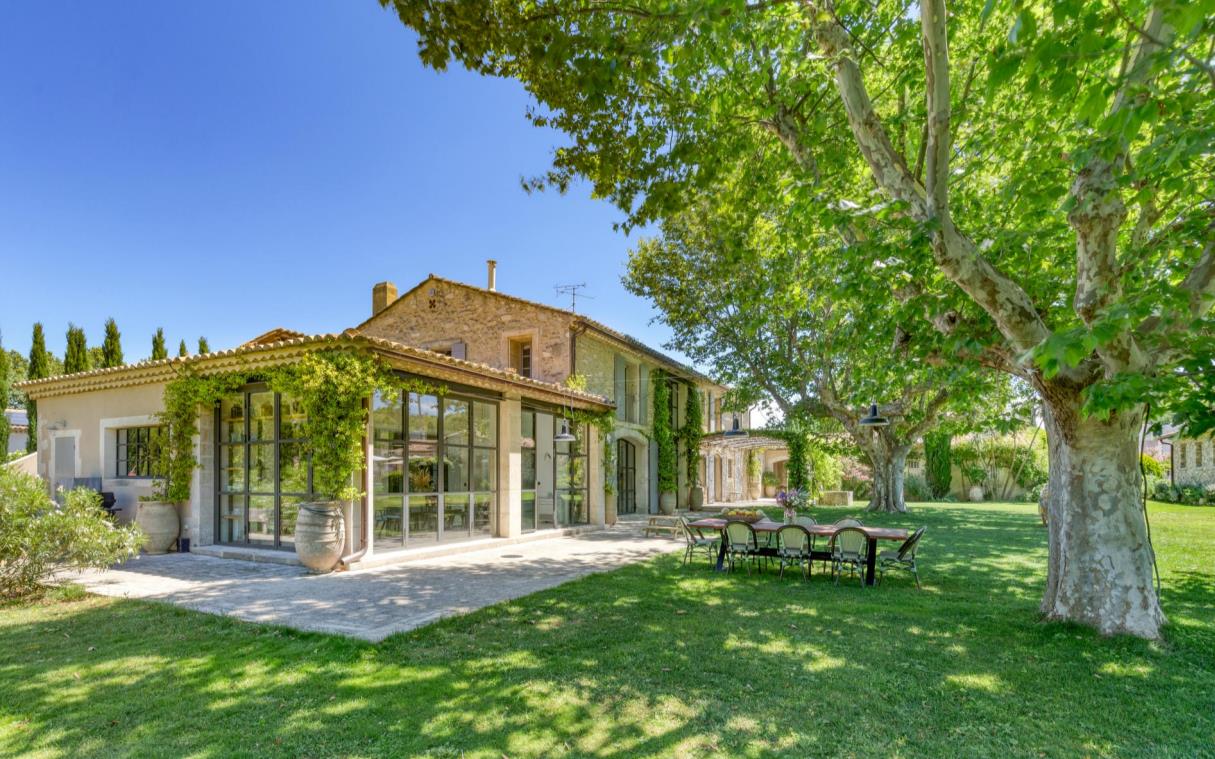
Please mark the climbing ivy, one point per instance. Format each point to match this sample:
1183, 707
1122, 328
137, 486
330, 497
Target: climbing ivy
664, 436
691, 434
182, 398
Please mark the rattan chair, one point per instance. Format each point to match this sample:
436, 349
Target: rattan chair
901, 558
696, 541
741, 542
849, 547
793, 546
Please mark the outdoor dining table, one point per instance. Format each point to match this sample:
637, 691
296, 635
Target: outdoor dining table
769, 526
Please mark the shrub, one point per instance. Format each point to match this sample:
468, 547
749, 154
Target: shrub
39, 536
827, 471
1151, 467
916, 489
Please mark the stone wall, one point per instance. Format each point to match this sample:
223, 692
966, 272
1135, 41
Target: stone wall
1194, 461
438, 314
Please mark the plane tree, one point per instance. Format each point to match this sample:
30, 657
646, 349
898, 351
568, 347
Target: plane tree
1055, 158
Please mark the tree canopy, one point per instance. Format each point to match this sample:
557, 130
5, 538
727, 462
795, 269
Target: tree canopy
159, 350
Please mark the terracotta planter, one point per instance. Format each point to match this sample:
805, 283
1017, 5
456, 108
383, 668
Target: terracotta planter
769, 491
320, 535
666, 503
161, 524
696, 498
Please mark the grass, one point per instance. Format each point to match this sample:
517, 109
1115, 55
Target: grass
650, 660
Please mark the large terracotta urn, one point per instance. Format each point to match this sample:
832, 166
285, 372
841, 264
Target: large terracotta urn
320, 535
161, 524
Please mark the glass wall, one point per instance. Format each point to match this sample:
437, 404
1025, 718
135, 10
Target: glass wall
435, 464
554, 487
264, 473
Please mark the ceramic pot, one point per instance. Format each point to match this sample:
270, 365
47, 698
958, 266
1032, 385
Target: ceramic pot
160, 523
666, 503
320, 535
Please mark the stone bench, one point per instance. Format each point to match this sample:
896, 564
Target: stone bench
836, 498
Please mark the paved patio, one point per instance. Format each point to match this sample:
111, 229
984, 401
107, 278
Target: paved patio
374, 603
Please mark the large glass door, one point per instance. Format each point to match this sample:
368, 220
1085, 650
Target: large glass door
626, 477
264, 472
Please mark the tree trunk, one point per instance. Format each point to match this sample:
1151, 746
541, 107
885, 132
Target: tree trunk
888, 469
1100, 567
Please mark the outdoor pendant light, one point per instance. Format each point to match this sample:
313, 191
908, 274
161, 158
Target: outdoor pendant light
873, 420
564, 436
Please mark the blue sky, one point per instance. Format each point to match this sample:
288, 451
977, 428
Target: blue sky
223, 168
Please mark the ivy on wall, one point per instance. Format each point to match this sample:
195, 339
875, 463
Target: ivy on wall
664, 436
691, 434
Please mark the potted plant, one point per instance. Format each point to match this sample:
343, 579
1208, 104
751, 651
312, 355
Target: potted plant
769, 480
330, 388
157, 514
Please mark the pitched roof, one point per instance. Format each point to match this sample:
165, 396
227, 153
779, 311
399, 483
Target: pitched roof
626, 341
278, 334
253, 355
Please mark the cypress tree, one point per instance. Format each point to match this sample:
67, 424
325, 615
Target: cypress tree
111, 348
5, 381
39, 368
182, 350
938, 463
76, 359
158, 345
203, 346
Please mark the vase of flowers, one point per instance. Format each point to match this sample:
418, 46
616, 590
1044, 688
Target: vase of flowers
792, 501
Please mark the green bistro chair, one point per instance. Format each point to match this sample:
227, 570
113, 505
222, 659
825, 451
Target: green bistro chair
793, 547
741, 542
902, 558
849, 547
807, 522
848, 522
696, 541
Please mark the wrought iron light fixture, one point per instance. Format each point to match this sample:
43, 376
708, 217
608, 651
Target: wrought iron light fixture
564, 436
874, 419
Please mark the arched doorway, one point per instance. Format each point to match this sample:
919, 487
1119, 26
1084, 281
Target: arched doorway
626, 477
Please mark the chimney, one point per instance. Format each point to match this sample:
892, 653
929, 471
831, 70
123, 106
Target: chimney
492, 266
382, 296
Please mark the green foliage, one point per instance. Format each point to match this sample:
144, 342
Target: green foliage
938, 463
826, 468
754, 464
691, 435
664, 436
184, 397
39, 537
203, 346
37, 368
576, 382
799, 460
182, 350
998, 462
1186, 495
76, 359
332, 387
1151, 467
768, 479
111, 347
159, 351
916, 489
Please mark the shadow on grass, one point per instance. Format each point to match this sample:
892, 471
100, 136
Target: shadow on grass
654, 659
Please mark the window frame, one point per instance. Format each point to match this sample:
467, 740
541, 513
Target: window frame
122, 451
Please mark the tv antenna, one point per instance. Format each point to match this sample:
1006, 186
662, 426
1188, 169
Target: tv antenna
572, 291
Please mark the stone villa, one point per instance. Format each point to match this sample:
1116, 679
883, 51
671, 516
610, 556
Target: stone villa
484, 459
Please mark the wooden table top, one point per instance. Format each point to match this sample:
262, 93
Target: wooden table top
768, 525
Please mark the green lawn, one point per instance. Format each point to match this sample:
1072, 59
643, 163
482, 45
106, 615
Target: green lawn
651, 660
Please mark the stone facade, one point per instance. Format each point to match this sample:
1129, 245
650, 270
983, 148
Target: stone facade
1194, 461
476, 325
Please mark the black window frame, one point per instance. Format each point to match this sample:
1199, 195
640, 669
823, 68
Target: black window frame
147, 438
